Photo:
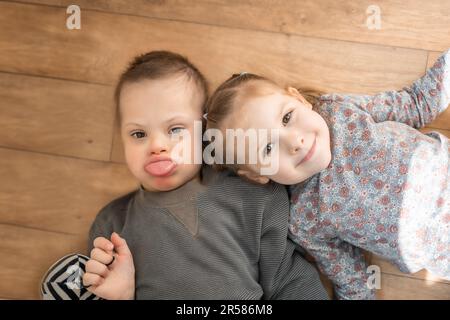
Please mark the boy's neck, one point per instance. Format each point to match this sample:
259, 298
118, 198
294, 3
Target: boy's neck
186, 191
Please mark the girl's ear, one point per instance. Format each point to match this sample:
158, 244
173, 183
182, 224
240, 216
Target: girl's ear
294, 92
252, 176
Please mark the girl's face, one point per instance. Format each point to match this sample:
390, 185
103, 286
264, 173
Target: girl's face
303, 146
155, 116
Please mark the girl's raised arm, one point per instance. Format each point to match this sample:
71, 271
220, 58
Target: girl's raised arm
418, 104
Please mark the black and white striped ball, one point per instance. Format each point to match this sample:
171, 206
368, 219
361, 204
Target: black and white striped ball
64, 280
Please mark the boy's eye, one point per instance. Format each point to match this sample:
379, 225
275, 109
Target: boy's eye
176, 130
268, 149
287, 117
138, 134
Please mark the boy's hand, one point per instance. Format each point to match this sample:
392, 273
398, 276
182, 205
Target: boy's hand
110, 271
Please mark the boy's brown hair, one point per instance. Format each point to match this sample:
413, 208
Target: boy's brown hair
159, 65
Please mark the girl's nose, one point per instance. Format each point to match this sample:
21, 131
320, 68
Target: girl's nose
297, 144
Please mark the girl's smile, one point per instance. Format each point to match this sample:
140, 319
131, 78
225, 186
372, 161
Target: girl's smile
310, 153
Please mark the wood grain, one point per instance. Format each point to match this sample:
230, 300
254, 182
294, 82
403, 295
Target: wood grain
57, 193
404, 23
401, 288
39, 43
387, 267
56, 116
26, 254
117, 154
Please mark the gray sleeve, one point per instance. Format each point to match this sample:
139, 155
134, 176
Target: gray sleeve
98, 229
111, 218
284, 272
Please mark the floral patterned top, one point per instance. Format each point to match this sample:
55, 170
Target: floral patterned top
386, 189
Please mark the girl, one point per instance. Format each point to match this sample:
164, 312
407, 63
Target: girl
360, 174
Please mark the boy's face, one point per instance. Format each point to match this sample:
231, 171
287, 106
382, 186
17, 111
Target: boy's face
155, 116
303, 145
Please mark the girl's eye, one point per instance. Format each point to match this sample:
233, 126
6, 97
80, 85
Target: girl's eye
176, 130
138, 134
287, 117
268, 149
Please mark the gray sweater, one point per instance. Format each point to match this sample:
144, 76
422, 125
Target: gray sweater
218, 238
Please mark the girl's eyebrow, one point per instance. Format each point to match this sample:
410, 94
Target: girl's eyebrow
282, 106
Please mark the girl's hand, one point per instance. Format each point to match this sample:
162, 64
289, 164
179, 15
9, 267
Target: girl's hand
110, 271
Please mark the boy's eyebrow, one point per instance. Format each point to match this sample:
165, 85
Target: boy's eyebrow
175, 117
133, 123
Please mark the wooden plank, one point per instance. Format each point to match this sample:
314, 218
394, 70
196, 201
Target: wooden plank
404, 23
26, 255
57, 193
396, 287
117, 154
56, 116
38, 43
388, 268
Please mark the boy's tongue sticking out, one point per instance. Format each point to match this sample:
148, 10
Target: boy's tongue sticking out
160, 167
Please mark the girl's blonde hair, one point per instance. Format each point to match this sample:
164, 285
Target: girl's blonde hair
223, 101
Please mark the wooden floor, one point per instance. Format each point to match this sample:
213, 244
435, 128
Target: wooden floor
60, 155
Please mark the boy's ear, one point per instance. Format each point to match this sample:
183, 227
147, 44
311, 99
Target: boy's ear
252, 176
294, 92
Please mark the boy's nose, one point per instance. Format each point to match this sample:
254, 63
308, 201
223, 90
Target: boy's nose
157, 146
158, 151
